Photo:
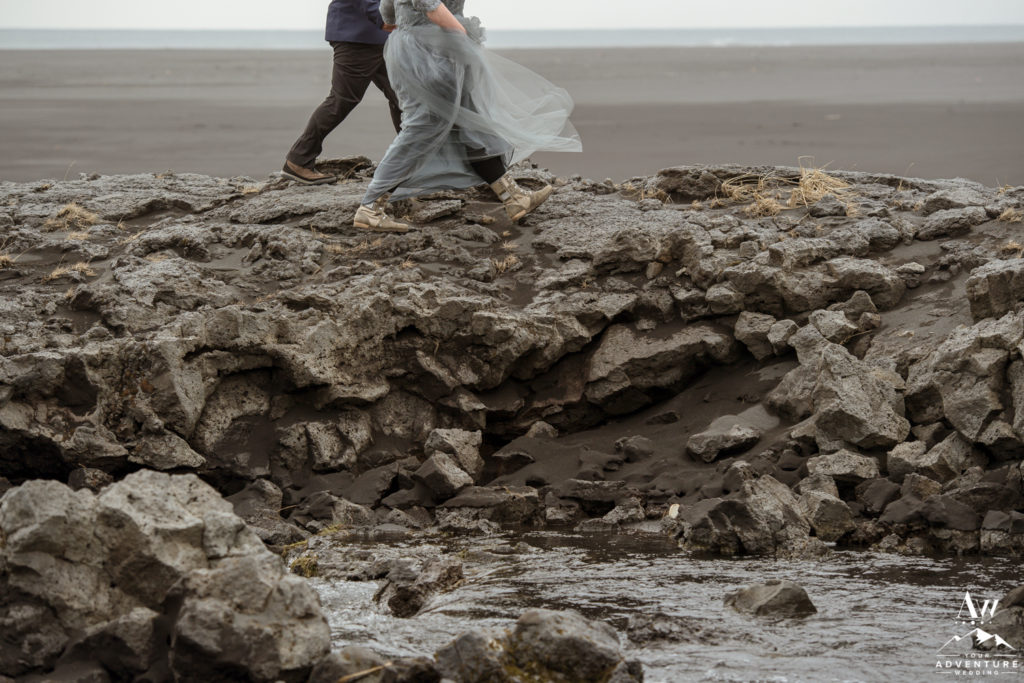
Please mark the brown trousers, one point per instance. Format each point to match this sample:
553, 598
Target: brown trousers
356, 66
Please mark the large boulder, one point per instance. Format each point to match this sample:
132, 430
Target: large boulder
964, 379
762, 518
724, 436
407, 587
542, 646
829, 516
776, 598
463, 445
844, 466
752, 330
944, 462
995, 288
857, 403
151, 553
628, 369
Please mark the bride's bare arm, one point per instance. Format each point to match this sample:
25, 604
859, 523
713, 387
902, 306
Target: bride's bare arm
443, 17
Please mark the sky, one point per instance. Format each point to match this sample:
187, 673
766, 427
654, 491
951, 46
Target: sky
518, 14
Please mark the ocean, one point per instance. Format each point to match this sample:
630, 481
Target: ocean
32, 39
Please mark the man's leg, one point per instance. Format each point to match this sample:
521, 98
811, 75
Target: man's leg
383, 83
355, 66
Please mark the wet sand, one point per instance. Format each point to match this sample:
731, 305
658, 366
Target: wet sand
926, 111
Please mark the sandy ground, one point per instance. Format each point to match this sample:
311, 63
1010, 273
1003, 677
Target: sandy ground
932, 112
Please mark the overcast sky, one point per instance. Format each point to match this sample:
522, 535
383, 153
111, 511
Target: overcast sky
518, 14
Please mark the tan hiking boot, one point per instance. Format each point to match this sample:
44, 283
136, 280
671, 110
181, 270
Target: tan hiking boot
306, 176
519, 202
374, 217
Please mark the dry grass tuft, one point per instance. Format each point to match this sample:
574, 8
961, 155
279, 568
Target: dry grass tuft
6, 261
78, 236
763, 206
81, 267
509, 246
72, 218
407, 264
305, 566
814, 185
631, 191
1013, 247
744, 188
157, 258
1012, 215
506, 264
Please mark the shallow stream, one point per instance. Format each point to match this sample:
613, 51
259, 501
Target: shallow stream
880, 617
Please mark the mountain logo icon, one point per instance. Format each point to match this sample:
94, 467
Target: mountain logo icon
958, 644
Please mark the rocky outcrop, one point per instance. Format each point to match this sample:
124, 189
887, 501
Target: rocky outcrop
156, 573
325, 378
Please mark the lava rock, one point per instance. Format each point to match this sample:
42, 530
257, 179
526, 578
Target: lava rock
407, 589
752, 330
635, 448
776, 598
150, 550
723, 437
845, 466
830, 517
833, 325
876, 494
442, 476
463, 445
952, 222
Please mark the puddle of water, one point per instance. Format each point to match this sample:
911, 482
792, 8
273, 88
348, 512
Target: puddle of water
880, 617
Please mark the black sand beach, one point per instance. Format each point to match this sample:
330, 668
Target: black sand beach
925, 111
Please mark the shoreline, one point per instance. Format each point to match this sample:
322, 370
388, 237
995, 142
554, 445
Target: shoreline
919, 110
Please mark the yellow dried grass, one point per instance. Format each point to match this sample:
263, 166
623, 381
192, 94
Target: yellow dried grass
1012, 215
631, 191
81, 267
814, 185
72, 218
504, 265
1013, 247
762, 207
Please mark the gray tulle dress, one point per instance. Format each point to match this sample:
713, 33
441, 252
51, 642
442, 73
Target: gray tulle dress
460, 103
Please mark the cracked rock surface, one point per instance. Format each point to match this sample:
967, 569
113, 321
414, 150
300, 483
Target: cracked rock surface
790, 369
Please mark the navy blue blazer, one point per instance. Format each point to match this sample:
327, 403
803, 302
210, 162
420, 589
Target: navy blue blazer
355, 21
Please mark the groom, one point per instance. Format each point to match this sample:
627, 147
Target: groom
357, 33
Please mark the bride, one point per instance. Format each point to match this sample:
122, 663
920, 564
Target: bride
467, 114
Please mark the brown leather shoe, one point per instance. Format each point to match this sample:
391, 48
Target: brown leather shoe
306, 176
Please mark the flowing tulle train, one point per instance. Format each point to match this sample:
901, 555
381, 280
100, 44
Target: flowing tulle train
461, 102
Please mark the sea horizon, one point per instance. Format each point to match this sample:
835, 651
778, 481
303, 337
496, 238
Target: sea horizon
213, 39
